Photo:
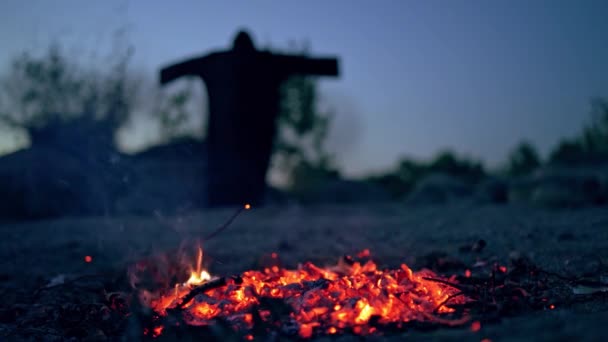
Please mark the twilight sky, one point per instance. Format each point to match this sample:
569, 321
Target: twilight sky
417, 76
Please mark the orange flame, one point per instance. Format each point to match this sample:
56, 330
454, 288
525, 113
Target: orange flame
198, 275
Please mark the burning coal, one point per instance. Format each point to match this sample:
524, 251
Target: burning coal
353, 296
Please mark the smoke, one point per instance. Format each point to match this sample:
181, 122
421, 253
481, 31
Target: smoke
145, 129
346, 128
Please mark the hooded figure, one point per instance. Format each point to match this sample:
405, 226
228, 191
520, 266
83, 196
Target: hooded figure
243, 90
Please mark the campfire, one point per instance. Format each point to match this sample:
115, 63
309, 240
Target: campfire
354, 296
178, 295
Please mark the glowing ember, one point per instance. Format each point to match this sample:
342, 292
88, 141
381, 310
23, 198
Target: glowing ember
157, 331
329, 300
475, 326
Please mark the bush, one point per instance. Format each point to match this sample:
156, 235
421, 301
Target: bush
45, 91
523, 159
409, 172
591, 146
447, 162
302, 130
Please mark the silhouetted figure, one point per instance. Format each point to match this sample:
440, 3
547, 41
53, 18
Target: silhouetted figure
243, 91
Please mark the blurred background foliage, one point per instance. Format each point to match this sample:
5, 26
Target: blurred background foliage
43, 92
523, 160
409, 172
53, 96
303, 127
591, 145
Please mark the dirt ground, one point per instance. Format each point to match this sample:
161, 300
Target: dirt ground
571, 242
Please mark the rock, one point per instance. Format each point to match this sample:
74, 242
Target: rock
274, 196
43, 182
439, 188
492, 190
582, 265
344, 191
475, 247
567, 236
183, 149
163, 186
562, 187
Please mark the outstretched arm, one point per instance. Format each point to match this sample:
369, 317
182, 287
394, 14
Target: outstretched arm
307, 66
194, 66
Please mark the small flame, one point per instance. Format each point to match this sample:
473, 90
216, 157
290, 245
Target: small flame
198, 275
198, 278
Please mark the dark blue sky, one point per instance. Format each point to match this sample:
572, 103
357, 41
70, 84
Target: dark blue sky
417, 76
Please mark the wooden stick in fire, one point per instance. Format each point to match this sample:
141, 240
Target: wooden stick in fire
208, 286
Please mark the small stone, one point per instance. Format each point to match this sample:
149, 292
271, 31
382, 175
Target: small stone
478, 246
565, 237
579, 266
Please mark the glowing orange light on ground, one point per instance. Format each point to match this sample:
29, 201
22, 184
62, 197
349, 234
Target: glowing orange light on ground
157, 331
327, 300
476, 326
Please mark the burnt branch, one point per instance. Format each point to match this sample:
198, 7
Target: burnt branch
208, 286
227, 223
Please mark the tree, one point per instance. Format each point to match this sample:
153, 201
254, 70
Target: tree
523, 159
402, 179
447, 162
591, 145
595, 135
173, 112
48, 88
42, 93
302, 129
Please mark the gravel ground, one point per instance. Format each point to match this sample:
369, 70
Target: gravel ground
571, 242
